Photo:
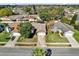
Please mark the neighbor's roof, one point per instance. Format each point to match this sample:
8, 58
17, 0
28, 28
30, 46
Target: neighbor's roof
21, 17
61, 26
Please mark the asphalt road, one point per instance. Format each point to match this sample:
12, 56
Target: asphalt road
28, 51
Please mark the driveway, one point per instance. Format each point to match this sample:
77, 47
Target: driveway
41, 40
11, 43
72, 41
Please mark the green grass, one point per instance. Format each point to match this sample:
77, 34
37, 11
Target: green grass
22, 39
4, 36
55, 38
76, 35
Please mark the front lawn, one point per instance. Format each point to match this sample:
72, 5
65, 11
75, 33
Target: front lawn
4, 36
34, 39
76, 35
55, 38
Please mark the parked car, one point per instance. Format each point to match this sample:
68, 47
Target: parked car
48, 52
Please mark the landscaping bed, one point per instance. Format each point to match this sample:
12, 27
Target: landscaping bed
55, 38
4, 36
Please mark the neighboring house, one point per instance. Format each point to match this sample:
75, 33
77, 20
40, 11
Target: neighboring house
68, 13
23, 17
61, 27
5, 18
18, 11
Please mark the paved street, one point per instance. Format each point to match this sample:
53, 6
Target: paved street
28, 51
65, 52
15, 52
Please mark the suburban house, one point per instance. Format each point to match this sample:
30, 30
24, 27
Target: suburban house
61, 28
68, 13
18, 11
39, 26
23, 17
41, 32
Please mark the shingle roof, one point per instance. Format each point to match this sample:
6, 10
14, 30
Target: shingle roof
60, 26
39, 26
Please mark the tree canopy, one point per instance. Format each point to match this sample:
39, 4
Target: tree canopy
5, 12
50, 13
73, 19
25, 29
27, 9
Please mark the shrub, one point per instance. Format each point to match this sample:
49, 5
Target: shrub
38, 52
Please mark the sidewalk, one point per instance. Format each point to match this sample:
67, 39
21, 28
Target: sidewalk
72, 41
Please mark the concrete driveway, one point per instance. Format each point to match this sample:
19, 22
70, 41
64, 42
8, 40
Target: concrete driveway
11, 43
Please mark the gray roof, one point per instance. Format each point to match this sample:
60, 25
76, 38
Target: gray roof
22, 17
13, 17
18, 10
60, 26
39, 26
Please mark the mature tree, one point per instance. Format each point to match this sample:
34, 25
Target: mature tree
5, 12
73, 19
27, 9
65, 20
44, 16
50, 13
55, 12
25, 29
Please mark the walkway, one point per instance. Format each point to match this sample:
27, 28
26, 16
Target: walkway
72, 41
11, 43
